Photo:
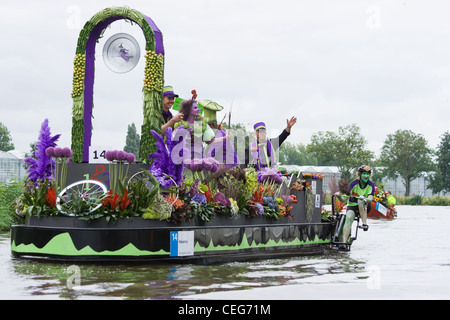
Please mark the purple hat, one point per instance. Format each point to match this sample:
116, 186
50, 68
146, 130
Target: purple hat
259, 125
168, 92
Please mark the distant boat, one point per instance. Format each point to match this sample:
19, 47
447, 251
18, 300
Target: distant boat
379, 211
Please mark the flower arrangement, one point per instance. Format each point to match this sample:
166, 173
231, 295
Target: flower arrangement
176, 191
313, 176
380, 196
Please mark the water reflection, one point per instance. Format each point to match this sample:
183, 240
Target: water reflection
163, 281
392, 258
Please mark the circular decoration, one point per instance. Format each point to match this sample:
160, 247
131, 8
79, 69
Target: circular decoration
82, 197
121, 53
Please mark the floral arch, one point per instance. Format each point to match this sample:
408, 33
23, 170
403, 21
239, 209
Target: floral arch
83, 79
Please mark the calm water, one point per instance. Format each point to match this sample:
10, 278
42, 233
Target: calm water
408, 258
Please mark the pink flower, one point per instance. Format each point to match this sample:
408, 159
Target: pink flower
120, 155
130, 157
58, 152
67, 152
109, 155
50, 151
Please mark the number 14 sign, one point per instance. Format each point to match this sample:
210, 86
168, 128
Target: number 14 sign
97, 154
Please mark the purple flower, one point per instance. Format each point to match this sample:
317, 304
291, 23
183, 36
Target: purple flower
210, 164
50, 151
58, 152
162, 158
130, 158
67, 152
120, 155
40, 165
221, 199
269, 175
260, 209
207, 165
109, 155
196, 165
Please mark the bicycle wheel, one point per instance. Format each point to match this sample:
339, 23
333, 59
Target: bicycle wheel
81, 198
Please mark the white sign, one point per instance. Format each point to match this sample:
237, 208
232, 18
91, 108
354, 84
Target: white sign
381, 208
97, 154
181, 243
313, 186
317, 200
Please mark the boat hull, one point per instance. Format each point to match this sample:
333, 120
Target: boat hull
136, 239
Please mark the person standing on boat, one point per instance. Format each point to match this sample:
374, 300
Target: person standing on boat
168, 120
361, 195
261, 153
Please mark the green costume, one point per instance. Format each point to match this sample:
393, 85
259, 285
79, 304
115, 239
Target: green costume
360, 190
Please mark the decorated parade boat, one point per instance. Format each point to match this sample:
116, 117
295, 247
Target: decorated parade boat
380, 211
223, 236
103, 205
380, 207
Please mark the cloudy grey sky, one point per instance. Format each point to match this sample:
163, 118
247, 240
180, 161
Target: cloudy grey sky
384, 65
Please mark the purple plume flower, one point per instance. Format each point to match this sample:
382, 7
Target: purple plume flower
40, 165
162, 158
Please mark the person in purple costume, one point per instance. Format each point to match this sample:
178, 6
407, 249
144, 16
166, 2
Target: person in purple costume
261, 153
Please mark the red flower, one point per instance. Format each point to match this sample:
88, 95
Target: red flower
124, 200
51, 197
113, 201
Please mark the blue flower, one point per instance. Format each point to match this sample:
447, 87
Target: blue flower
199, 198
260, 209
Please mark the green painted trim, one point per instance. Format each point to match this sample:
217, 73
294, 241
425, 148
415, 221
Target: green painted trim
62, 245
270, 244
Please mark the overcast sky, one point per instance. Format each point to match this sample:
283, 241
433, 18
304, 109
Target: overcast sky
384, 65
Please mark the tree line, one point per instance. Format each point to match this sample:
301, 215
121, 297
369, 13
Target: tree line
404, 153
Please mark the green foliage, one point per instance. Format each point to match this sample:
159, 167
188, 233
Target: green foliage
296, 154
133, 141
203, 211
424, 201
440, 180
345, 149
9, 192
406, 154
5, 139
